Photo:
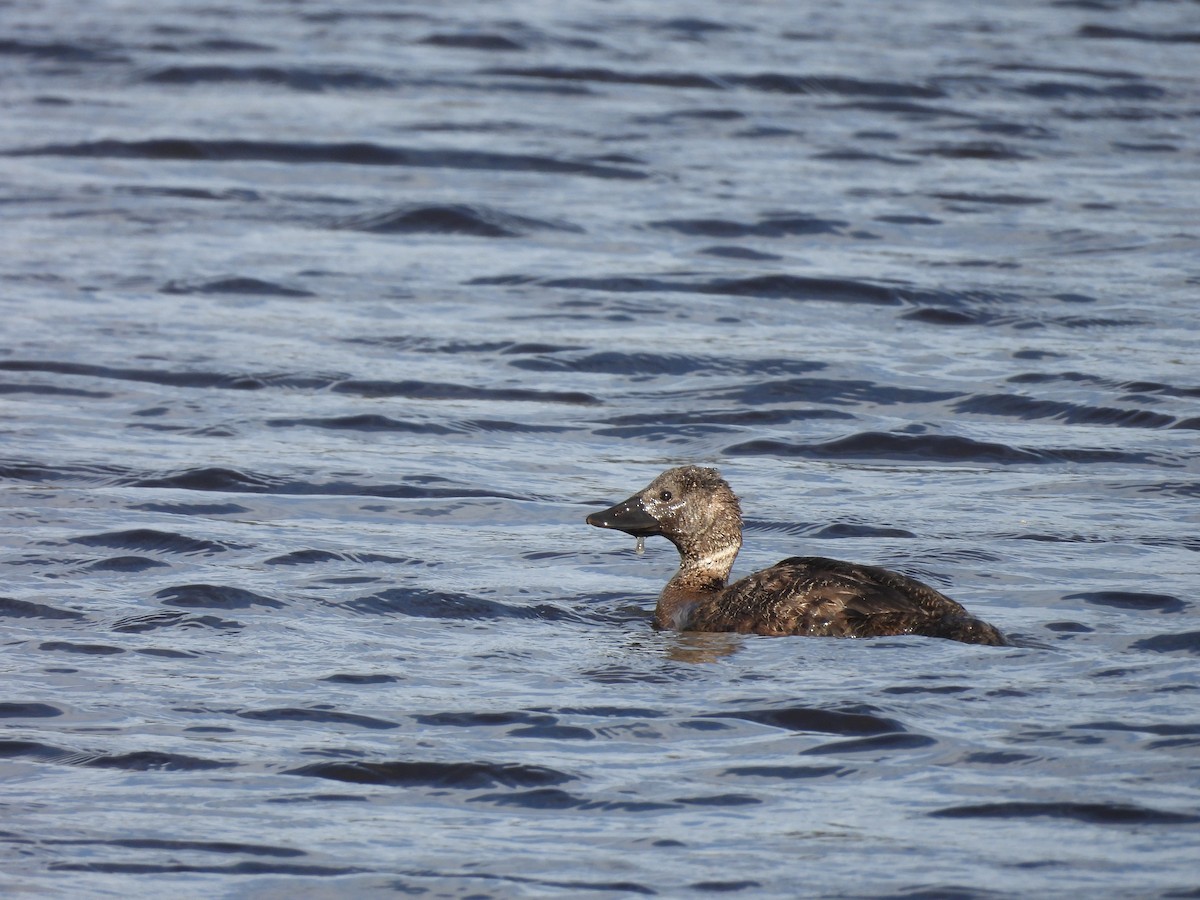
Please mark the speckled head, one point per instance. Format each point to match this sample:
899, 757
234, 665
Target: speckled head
688, 505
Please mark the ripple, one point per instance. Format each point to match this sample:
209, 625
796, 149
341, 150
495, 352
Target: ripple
1163, 603
198, 379
234, 285
320, 716
846, 392
1106, 32
174, 868
296, 78
126, 564
364, 422
781, 287
1184, 642
877, 743
558, 799
82, 649
354, 678
10, 607
473, 41
475, 220
772, 226
220, 479
427, 390
996, 199
610, 76
319, 557
429, 604
859, 530
788, 773
473, 719
181, 846
297, 153
50, 390
152, 761
928, 448
1090, 813
153, 621
1027, 408
136, 761
28, 710
454, 775
149, 539
213, 596
813, 720
61, 51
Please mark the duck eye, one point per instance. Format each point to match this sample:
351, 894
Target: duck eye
665, 496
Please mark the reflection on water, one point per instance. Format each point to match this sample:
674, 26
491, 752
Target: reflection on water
698, 647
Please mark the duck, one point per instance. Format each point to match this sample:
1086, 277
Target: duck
696, 510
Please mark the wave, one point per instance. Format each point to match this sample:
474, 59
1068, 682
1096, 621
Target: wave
1181, 642
930, 448
61, 51
81, 649
140, 624
11, 607
881, 743
129, 564
28, 710
787, 772
151, 539
1106, 32
137, 761
319, 716
297, 78
455, 218
432, 390
237, 284
769, 82
444, 775
168, 378
616, 362
1135, 600
320, 557
1027, 408
299, 153
558, 799
782, 287
474, 41
366, 422
50, 390
222, 479
857, 721
212, 596
772, 226
422, 603
1122, 814
839, 391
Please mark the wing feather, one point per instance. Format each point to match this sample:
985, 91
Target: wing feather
812, 595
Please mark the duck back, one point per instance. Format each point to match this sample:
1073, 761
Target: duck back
820, 597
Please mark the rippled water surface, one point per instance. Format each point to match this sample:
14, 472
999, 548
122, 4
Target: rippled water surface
326, 324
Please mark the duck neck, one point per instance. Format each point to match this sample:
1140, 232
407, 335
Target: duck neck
704, 566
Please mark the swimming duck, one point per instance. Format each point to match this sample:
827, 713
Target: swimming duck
696, 510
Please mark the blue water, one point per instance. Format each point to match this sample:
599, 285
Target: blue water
326, 324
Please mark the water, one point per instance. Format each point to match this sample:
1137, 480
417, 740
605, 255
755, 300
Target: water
325, 325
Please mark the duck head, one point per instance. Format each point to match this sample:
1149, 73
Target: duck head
691, 506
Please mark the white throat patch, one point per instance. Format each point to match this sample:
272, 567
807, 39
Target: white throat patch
718, 561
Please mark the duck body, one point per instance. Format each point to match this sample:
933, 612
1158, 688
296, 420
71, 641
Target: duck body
698, 512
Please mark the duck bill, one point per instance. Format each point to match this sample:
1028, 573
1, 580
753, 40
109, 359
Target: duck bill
629, 516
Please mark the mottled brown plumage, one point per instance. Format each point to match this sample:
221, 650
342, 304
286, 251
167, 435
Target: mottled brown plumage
696, 510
